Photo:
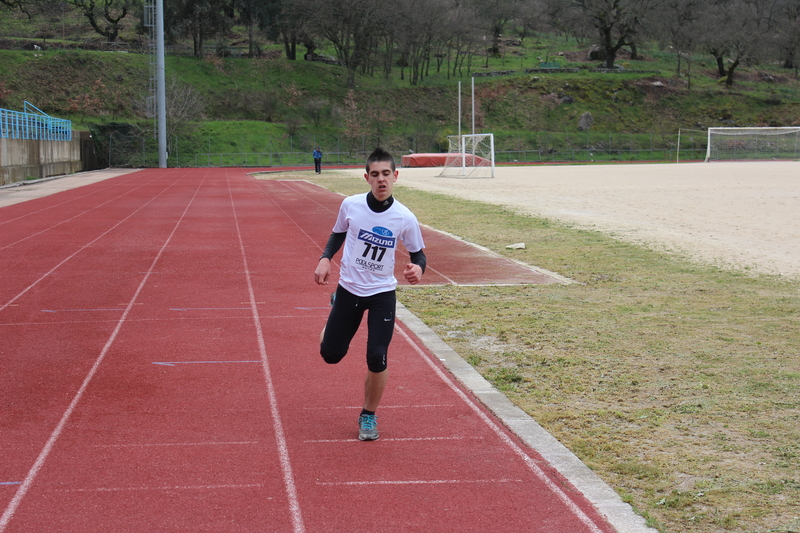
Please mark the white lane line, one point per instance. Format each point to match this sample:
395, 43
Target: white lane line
417, 482
156, 444
530, 463
351, 408
396, 439
173, 363
28, 481
277, 425
177, 487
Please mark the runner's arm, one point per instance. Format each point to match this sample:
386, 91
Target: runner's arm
323, 270
418, 258
335, 242
414, 269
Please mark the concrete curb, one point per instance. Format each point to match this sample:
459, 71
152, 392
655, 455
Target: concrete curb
618, 513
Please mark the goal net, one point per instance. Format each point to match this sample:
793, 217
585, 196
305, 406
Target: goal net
736, 144
470, 156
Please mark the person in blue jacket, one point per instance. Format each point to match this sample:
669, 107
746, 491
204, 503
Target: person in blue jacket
317, 160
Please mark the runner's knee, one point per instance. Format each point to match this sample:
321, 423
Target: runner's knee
330, 356
376, 358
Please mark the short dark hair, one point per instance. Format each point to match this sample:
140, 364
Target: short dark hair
379, 154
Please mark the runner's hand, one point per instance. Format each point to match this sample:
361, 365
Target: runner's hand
413, 273
323, 271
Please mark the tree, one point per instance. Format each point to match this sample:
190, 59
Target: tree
416, 30
497, 15
198, 19
678, 26
787, 34
288, 24
16, 4
617, 22
104, 16
350, 26
736, 30
255, 14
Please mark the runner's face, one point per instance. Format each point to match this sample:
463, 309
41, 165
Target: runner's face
381, 179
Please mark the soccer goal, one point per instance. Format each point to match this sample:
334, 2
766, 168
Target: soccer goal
737, 144
470, 156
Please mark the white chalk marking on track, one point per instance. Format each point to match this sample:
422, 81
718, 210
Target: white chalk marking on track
179, 487
173, 363
397, 439
146, 445
277, 425
530, 463
350, 407
418, 482
37, 465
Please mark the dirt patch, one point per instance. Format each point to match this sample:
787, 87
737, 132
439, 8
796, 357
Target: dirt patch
733, 215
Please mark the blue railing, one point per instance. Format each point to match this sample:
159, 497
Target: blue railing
33, 124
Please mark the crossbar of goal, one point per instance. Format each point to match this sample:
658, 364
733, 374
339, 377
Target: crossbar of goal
732, 144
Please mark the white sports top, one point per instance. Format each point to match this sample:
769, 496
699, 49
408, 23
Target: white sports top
372, 238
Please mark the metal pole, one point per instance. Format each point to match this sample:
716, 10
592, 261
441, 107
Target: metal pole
459, 110
473, 105
161, 86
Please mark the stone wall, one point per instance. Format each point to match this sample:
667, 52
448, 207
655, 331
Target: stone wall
23, 159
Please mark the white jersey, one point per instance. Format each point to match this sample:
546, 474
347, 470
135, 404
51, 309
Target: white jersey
372, 239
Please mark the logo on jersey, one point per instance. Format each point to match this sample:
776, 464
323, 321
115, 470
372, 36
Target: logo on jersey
384, 239
378, 230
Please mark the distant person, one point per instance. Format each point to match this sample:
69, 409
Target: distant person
370, 225
317, 160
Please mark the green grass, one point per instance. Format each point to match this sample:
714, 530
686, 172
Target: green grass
677, 383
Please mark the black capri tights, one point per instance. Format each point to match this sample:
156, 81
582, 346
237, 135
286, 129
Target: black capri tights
345, 318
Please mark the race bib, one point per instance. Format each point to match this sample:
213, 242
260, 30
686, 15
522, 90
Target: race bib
375, 251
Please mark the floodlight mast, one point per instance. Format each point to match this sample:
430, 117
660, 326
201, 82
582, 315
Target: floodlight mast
161, 86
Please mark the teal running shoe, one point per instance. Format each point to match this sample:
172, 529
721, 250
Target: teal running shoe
367, 427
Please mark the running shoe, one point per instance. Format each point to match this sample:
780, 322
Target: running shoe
367, 427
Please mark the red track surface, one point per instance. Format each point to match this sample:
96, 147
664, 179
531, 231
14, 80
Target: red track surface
161, 373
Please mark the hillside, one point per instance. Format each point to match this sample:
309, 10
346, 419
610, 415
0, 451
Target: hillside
273, 105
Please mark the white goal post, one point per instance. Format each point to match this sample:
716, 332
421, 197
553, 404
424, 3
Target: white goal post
470, 156
737, 144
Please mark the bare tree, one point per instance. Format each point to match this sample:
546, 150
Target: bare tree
417, 29
184, 105
199, 19
678, 27
737, 30
617, 22
497, 16
787, 33
350, 26
104, 16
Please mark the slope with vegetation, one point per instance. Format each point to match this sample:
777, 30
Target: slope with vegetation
222, 104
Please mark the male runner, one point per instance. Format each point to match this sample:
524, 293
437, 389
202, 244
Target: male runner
370, 225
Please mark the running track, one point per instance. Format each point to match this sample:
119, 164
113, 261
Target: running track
160, 372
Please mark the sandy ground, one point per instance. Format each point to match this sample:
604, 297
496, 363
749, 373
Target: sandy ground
735, 215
